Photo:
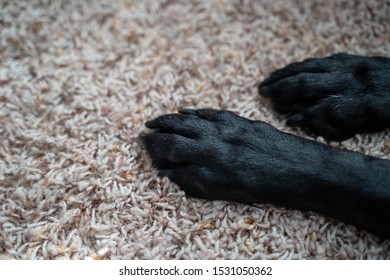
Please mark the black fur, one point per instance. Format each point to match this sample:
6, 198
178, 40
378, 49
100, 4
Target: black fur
335, 97
218, 155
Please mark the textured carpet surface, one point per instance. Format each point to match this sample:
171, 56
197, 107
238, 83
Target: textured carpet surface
79, 79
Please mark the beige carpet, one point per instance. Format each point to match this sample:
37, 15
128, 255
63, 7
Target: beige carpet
79, 79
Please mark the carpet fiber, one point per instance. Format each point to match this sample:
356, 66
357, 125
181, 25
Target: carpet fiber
79, 79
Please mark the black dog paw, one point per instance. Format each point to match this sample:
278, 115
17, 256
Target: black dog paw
335, 97
219, 155
195, 149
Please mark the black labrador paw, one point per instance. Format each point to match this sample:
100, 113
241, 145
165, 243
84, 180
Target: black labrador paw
219, 155
196, 149
335, 97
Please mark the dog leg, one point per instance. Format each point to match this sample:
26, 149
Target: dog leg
218, 155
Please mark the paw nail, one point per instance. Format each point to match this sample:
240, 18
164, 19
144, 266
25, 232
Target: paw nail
150, 124
264, 91
186, 111
295, 119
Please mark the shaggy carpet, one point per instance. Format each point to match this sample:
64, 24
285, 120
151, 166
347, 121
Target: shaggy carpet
78, 79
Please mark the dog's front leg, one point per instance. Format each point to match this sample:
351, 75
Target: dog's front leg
218, 155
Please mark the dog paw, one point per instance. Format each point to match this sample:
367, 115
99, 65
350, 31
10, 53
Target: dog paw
195, 149
335, 97
219, 155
